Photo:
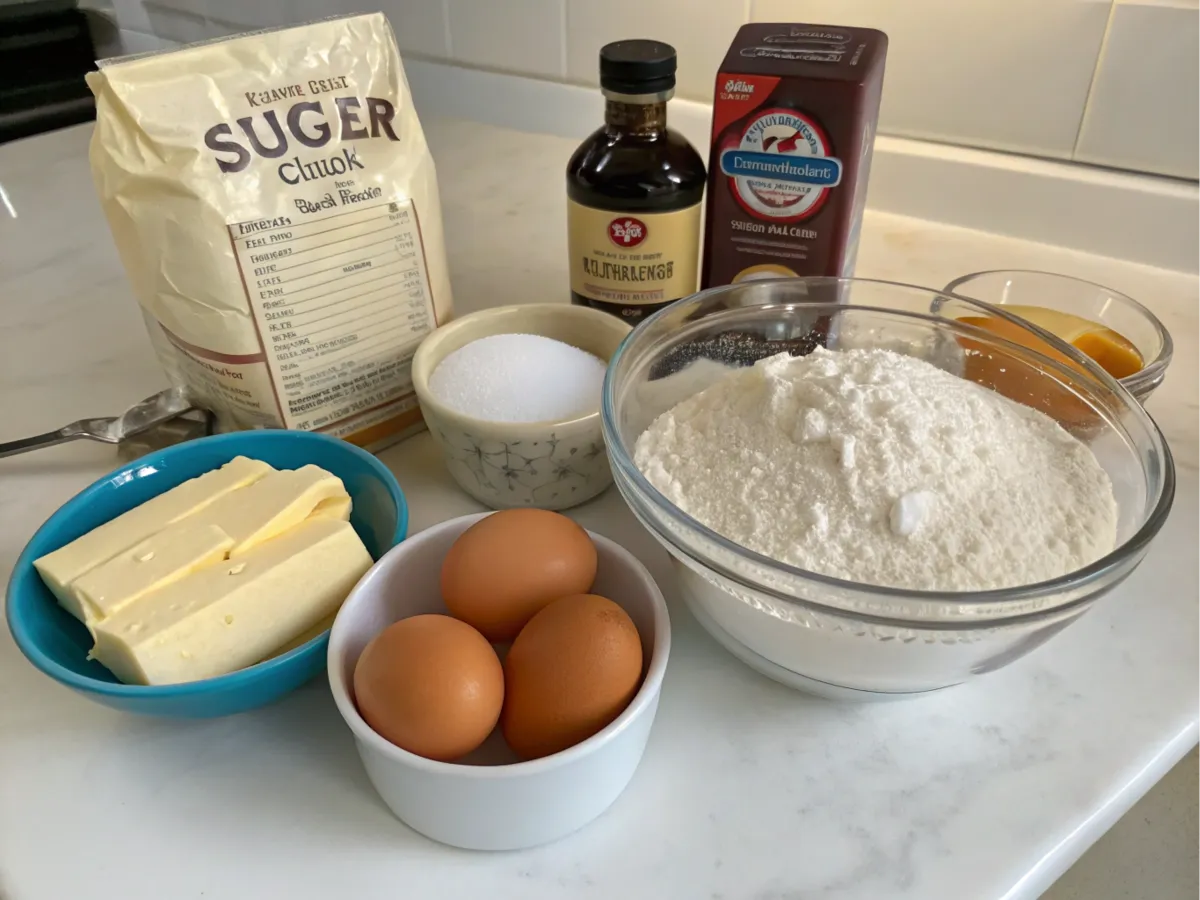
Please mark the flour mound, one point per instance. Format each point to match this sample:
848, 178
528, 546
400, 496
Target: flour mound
875, 467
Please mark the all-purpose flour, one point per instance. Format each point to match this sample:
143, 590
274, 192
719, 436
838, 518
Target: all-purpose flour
875, 467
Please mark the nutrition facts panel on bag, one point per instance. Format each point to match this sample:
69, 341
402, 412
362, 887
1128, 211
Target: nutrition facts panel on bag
340, 302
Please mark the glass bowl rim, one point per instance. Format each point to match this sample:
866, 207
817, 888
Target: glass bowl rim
1146, 378
1149, 528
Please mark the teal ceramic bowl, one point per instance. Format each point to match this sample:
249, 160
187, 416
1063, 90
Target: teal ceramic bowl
57, 643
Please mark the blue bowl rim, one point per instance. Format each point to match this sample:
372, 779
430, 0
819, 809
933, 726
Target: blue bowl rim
234, 680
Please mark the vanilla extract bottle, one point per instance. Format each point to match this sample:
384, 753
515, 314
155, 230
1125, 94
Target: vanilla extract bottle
634, 192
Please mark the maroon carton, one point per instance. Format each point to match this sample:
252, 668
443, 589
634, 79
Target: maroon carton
794, 118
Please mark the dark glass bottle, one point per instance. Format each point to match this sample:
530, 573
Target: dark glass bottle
634, 192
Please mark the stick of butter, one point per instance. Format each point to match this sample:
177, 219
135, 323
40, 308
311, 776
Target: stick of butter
303, 637
60, 568
334, 508
272, 505
230, 615
161, 559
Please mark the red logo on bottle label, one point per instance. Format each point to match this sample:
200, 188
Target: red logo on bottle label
627, 231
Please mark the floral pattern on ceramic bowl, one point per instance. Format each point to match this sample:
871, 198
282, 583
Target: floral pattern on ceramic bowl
550, 465
551, 473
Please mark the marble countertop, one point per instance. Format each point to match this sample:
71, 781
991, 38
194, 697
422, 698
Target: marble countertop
748, 791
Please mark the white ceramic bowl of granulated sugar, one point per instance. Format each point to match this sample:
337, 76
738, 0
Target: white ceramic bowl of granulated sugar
512, 397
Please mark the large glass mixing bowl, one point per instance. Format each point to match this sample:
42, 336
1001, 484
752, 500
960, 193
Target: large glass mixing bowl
840, 638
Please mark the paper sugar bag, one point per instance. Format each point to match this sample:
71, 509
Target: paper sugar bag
275, 206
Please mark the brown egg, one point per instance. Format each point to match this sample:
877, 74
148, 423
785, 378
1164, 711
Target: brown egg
504, 568
431, 685
571, 671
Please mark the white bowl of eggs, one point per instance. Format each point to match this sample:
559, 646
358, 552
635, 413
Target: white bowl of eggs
500, 673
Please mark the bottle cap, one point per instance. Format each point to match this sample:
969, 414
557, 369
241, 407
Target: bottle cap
637, 67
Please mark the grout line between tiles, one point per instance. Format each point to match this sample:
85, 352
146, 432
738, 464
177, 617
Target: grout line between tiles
1087, 101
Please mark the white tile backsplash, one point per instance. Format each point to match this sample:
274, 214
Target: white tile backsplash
699, 30
179, 25
137, 42
198, 8
243, 15
1012, 75
133, 16
420, 25
1002, 74
524, 36
1143, 109
307, 10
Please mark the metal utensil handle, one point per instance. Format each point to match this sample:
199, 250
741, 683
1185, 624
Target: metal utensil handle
93, 429
37, 442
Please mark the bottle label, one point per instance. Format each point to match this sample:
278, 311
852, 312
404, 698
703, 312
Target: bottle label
781, 168
633, 259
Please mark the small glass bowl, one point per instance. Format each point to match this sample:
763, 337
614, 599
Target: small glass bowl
840, 638
1104, 306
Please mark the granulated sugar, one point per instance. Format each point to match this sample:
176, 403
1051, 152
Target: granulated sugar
519, 378
878, 468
